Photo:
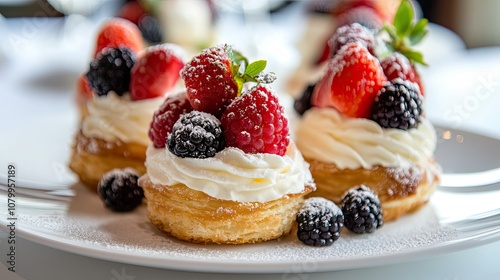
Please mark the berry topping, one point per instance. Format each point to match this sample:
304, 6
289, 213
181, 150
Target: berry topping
156, 71
352, 33
303, 103
398, 105
83, 87
256, 123
150, 29
320, 222
209, 80
110, 71
362, 210
353, 80
165, 117
216, 76
119, 33
132, 11
398, 66
119, 191
196, 135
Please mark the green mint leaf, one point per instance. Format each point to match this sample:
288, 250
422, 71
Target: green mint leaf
254, 68
419, 31
403, 18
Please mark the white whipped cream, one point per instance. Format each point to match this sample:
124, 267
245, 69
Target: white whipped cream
326, 135
112, 118
232, 174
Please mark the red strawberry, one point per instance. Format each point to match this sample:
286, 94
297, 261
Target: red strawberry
398, 66
165, 117
119, 32
255, 122
132, 11
209, 80
352, 82
83, 87
156, 71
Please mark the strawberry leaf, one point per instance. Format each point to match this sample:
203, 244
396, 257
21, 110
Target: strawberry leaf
254, 68
419, 31
414, 56
403, 18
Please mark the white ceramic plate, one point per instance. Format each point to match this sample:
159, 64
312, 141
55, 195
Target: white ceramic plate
83, 226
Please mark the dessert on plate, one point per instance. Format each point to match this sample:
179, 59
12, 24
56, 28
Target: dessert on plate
117, 97
367, 124
221, 167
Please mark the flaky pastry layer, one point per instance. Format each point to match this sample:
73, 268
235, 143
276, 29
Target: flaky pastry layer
92, 157
196, 217
400, 190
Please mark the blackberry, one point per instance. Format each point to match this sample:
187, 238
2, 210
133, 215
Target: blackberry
362, 210
398, 105
196, 135
320, 222
303, 103
110, 71
150, 29
119, 191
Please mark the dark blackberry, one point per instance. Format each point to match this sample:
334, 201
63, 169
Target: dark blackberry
354, 32
320, 222
150, 29
398, 105
119, 191
110, 71
303, 103
196, 135
362, 210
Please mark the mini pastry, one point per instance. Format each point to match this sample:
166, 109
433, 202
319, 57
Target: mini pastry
367, 126
221, 167
126, 90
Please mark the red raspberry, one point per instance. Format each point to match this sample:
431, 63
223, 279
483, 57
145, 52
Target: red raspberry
255, 122
398, 66
132, 11
165, 117
209, 80
156, 71
352, 82
83, 87
119, 32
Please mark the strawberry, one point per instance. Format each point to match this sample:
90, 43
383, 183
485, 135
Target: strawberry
398, 66
352, 82
83, 87
214, 77
165, 117
132, 11
156, 71
255, 122
119, 32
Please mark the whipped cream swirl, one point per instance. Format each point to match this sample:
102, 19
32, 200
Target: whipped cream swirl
112, 118
326, 135
232, 174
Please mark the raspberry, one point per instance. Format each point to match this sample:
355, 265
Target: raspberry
362, 210
255, 122
352, 81
196, 135
398, 105
165, 117
119, 32
156, 71
209, 80
320, 222
132, 11
398, 66
119, 191
110, 71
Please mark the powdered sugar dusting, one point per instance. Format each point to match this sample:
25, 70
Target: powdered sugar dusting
97, 231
